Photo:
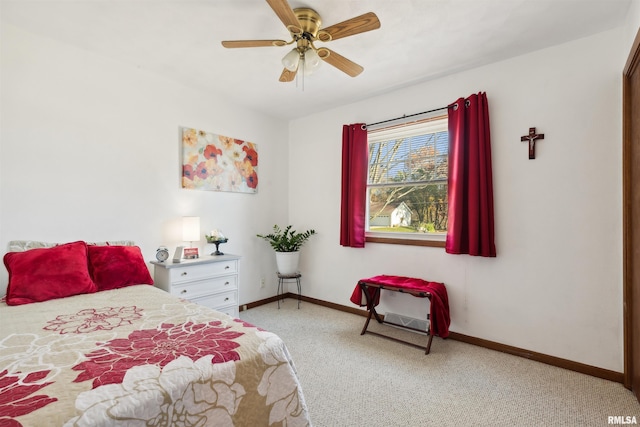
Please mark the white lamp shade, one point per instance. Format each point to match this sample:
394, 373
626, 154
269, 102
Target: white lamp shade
311, 59
190, 228
291, 60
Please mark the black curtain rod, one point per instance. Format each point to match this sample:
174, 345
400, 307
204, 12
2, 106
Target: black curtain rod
404, 117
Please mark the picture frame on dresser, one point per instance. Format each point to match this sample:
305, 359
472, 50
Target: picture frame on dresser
211, 281
178, 254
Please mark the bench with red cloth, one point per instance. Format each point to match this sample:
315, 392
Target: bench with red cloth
439, 319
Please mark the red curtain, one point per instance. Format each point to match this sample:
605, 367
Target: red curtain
355, 159
470, 229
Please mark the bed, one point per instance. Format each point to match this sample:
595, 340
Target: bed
136, 356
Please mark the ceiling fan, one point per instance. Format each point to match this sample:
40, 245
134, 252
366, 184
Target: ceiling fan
304, 24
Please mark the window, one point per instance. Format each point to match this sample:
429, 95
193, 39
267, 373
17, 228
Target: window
407, 182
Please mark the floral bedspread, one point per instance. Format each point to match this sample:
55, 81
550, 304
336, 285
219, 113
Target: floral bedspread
139, 357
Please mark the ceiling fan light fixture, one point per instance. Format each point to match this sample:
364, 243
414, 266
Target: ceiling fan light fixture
305, 27
291, 60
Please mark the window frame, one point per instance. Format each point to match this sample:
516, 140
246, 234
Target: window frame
399, 238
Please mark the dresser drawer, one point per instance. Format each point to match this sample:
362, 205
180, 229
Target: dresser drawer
197, 272
231, 310
199, 288
211, 281
218, 300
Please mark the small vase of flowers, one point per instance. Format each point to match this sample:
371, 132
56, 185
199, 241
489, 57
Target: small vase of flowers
216, 237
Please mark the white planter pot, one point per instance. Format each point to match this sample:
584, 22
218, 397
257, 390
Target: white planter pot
287, 262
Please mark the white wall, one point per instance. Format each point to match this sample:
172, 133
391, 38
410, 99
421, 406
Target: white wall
90, 151
556, 284
632, 24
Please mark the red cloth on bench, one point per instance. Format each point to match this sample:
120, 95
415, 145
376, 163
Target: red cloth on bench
439, 319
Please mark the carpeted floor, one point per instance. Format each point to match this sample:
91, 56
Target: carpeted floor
354, 380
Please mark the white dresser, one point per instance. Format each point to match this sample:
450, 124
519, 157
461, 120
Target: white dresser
209, 280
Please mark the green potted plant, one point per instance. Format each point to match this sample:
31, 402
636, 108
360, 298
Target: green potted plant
287, 243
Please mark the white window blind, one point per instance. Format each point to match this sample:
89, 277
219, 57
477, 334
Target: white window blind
407, 178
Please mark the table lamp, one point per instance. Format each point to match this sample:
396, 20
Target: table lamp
191, 232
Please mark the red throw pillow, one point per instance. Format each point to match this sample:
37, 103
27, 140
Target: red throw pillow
113, 267
43, 274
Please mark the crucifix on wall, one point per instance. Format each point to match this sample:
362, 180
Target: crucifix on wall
532, 137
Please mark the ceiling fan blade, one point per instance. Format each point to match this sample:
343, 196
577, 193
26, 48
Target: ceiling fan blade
252, 43
340, 62
288, 76
359, 24
286, 15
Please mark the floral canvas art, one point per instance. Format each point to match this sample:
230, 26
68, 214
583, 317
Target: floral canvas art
218, 163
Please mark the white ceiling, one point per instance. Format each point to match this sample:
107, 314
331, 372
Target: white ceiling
418, 40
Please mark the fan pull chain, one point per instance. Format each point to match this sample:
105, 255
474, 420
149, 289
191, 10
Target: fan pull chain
300, 72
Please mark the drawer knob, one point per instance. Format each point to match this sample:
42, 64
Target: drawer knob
184, 273
226, 299
226, 267
184, 291
226, 283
